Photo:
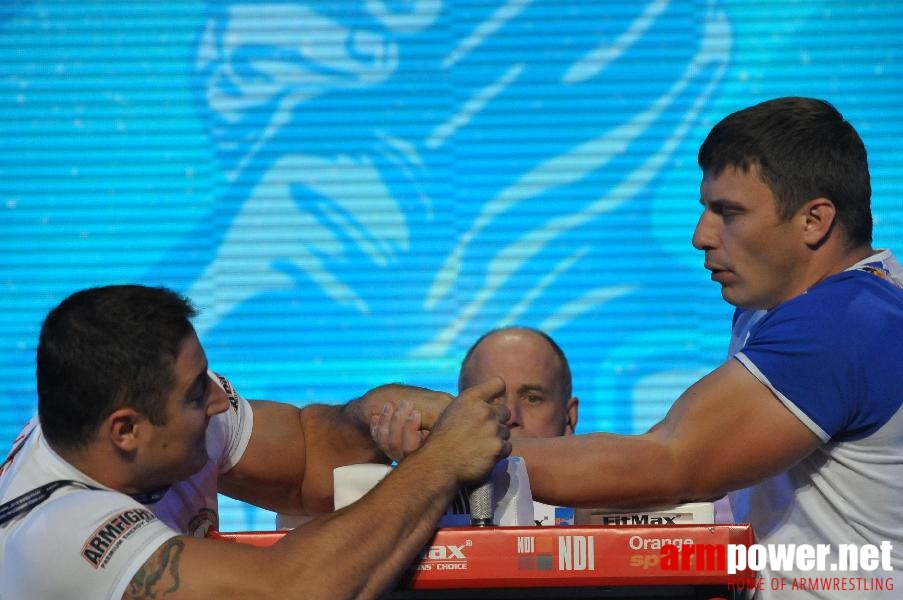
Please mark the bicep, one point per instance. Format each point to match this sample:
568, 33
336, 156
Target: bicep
272, 467
729, 431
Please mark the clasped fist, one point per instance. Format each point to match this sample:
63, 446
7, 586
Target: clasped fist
469, 437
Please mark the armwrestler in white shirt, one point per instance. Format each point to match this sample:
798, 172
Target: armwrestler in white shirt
136, 436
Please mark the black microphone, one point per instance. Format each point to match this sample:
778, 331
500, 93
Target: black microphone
480, 500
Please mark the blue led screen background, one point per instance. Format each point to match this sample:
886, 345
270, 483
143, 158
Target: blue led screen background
352, 192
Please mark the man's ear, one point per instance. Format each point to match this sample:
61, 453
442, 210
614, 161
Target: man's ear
123, 427
819, 216
570, 424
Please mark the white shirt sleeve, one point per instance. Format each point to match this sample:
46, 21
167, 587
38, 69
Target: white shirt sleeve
229, 432
108, 537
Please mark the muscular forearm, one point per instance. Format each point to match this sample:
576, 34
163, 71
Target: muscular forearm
428, 403
340, 435
601, 470
335, 436
710, 442
354, 418
287, 466
378, 535
357, 552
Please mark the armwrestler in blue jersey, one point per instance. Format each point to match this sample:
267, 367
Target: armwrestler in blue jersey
802, 423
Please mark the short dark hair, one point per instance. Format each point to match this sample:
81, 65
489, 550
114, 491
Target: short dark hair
105, 348
804, 149
565, 381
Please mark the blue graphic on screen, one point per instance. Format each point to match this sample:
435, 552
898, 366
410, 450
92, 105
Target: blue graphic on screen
353, 192
386, 163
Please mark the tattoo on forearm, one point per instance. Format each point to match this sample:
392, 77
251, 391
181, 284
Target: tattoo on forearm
160, 574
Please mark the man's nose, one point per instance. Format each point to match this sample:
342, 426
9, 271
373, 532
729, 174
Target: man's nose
514, 419
705, 235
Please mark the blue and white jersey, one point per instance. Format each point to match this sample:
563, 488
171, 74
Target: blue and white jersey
834, 357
